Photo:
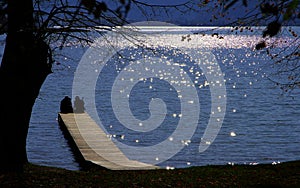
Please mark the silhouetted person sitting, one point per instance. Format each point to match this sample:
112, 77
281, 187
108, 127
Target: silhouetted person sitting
66, 105
78, 105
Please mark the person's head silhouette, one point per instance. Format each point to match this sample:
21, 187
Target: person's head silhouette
78, 105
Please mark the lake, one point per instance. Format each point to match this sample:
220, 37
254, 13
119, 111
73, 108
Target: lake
260, 124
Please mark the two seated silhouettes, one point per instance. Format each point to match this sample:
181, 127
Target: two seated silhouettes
66, 105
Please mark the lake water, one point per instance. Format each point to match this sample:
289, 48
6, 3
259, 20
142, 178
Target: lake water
261, 123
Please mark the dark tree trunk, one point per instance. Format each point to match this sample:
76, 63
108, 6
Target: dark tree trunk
23, 70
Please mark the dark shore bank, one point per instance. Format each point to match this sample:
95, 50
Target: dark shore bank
264, 175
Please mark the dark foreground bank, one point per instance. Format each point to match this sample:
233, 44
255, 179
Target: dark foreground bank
280, 175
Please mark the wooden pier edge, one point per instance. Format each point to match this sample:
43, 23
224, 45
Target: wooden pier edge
86, 155
83, 164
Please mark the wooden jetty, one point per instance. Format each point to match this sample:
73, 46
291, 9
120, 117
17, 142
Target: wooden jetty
95, 146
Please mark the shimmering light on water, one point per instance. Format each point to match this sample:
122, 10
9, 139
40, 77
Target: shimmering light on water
261, 125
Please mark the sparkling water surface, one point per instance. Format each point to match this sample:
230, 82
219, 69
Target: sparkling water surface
261, 124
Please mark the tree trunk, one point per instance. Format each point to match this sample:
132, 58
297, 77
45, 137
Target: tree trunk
23, 70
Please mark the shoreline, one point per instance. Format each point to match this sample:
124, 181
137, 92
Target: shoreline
285, 174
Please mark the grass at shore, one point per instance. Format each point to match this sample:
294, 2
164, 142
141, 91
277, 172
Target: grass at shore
280, 175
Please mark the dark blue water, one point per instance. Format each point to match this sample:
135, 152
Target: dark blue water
261, 124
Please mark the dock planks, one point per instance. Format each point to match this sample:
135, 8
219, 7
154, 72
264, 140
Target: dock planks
95, 146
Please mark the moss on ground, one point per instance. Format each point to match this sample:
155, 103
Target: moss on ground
280, 175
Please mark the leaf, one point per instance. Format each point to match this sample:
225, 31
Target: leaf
260, 45
267, 8
292, 6
89, 4
272, 29
102, 6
